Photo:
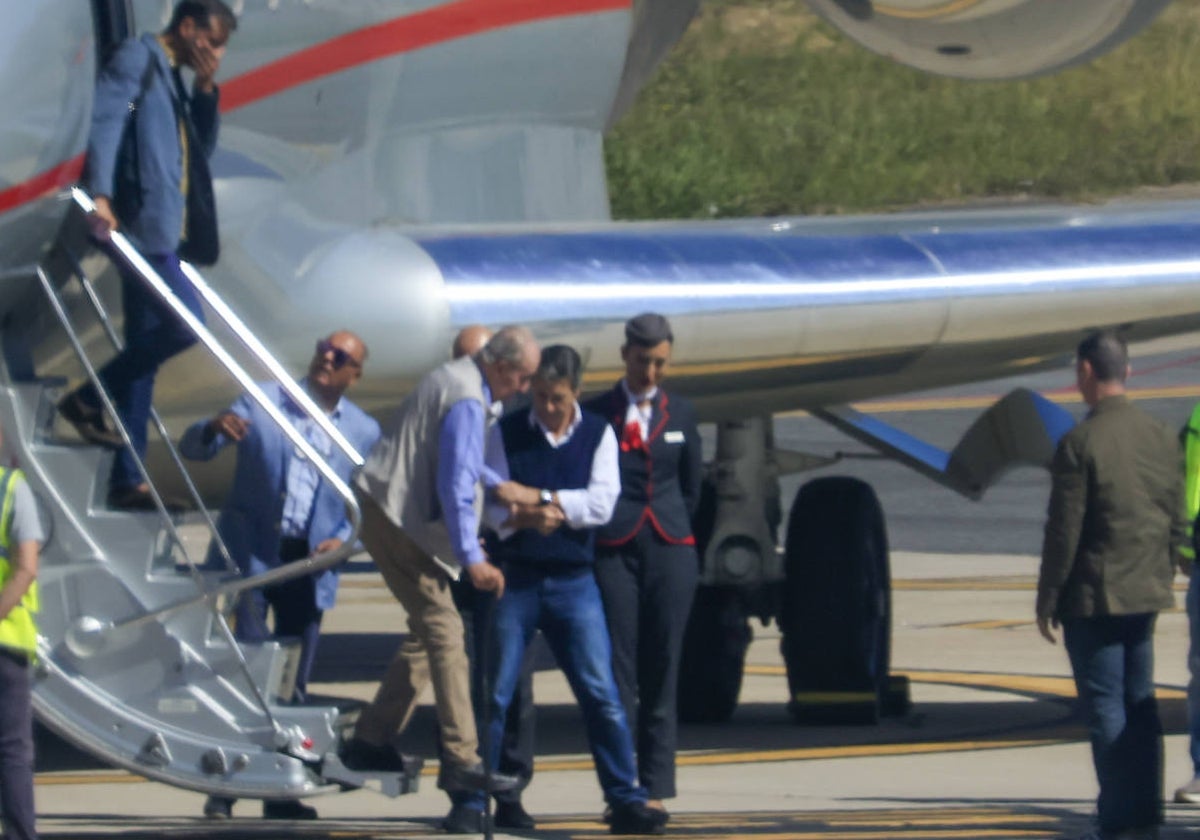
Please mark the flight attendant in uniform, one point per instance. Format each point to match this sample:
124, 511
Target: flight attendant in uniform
646, 563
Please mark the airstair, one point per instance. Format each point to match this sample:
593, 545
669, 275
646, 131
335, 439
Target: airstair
137, 661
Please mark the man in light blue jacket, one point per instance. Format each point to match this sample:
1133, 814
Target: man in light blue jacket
147, 171
280, 510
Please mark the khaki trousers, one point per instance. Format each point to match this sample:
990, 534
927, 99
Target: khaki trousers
435, 650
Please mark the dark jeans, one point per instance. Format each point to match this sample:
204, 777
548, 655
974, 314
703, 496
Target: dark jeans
517, 743
567, 609
153, 334
647, 585
294, 605
16, 747
1112, 658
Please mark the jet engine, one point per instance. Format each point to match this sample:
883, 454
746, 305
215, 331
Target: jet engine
989, 39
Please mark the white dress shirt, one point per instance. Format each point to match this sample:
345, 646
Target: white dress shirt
635, 412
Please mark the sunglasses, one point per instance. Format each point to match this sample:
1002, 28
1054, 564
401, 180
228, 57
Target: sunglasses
340, 357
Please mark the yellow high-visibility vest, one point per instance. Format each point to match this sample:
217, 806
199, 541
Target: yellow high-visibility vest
18, 629
1191, 493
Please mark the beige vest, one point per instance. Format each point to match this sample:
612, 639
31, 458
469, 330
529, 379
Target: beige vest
401, 472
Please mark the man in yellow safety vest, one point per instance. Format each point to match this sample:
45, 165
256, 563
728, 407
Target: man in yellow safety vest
1190, 437
20, 541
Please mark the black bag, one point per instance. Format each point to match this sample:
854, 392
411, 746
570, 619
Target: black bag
127, 180
201, 244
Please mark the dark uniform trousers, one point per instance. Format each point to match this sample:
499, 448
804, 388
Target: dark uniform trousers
647, 585
517, 746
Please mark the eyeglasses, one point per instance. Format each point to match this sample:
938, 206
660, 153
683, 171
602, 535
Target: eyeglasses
340, 357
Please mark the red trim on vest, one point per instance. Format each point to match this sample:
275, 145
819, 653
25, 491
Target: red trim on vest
647, 513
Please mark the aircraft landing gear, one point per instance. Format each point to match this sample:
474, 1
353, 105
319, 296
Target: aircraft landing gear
836, 613
830, 591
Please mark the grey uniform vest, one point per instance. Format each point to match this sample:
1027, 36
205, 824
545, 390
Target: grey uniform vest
401, 472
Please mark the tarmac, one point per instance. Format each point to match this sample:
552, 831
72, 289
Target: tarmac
990, 749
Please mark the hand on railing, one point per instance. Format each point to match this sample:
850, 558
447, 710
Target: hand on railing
102, 221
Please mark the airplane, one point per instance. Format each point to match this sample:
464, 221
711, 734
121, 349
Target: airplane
406, 167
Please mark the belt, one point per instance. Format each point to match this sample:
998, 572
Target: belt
293, 548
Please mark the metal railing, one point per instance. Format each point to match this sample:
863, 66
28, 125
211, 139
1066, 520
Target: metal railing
88, 634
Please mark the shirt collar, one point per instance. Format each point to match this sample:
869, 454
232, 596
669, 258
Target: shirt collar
637, 398
574, 424
172, 56
1108, 403
295, 407
494, 409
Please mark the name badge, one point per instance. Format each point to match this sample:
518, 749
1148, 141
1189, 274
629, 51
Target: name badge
673, 437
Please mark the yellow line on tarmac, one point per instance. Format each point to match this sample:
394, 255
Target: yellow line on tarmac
886, 406
1016, 583
1034, 685
991, 624
921, 834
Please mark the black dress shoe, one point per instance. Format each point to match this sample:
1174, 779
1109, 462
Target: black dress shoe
88, 421
467, 777
513, 815
287, 809
218, 807
365, 757
464, 820
139, 498
636, 818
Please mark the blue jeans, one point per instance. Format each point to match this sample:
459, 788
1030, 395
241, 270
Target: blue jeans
1112, 658
566, 607
16, 747
1193, 614
153, 334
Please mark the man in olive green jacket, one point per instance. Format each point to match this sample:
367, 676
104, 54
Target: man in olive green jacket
1114, 531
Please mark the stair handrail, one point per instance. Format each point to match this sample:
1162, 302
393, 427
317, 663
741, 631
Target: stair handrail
87, 632
240, 331
193, 492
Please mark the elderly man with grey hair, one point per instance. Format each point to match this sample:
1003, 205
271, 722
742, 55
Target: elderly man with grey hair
421, 493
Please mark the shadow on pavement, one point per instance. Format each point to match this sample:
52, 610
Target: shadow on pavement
909, 819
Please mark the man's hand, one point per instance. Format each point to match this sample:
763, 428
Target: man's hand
229, 424
102, 221
326, 546
511, 493
545, 518
206, 60
486, 578
1044, 623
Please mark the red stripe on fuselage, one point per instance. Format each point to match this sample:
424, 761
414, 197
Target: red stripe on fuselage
440, 24
459, 19
65, 173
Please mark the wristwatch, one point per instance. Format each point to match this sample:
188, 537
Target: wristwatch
545, 497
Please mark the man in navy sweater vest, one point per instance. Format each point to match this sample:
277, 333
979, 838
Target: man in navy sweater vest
559, 481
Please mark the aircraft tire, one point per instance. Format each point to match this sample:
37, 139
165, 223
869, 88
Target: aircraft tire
714, 655
836, 610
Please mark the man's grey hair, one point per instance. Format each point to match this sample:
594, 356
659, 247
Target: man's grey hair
507, 345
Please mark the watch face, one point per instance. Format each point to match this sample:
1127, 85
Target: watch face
546, 497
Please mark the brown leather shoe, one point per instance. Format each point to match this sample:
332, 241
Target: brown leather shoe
88, 421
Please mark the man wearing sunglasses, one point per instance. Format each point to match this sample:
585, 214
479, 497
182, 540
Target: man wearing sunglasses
280, 509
